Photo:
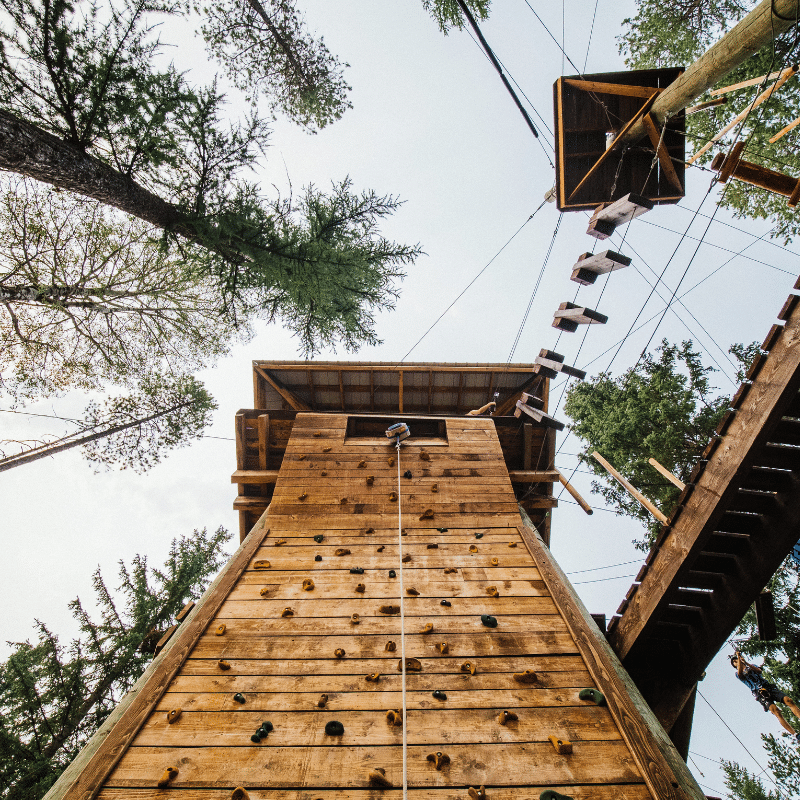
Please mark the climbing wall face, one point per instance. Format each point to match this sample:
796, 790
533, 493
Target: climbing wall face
310, 635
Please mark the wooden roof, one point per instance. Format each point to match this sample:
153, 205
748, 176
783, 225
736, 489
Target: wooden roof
383, 387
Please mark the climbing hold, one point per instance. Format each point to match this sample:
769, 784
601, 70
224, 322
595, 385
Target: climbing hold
362, 464
339, 652
492, 591
423, 456
413, 592
387, 609
439, 759
280, 542
317, 433
265, 591
318, 538
550, 794
448, 570
170, 773
370, 530
174, 715
477, 794
440, 695
341, 551
390, 647
426, 514
355, 619
407, 474
357, 570
562, 746
323, 701
265, 730
223, 665
393, 497
318, 558
220, 631
334, 728
405, 559
287, 612
468, 666
435, 488
394, 717
592, 694
428, 627
240, 793
412, 665
489, 621
528, 676
308, 585
377, 778
507, 716
442, 530
495, 562
361, 588
370, 480
473, 548
261, 564
381, 548
479, 536
512, 544
433, 546
390, 461
443, 648
374, 677
302, 496
239, 698
445, 603
326, 449
343, 501
323, 473
392, 573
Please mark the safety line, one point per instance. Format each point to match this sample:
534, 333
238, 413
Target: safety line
402, 623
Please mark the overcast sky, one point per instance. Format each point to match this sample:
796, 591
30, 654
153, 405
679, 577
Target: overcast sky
433, 124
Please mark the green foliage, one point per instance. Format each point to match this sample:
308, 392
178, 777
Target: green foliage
448, 15
745, 786
664, 408
676, 32
53, 697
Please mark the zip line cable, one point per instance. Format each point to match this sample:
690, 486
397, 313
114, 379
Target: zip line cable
591, 31
464, 290
402, 622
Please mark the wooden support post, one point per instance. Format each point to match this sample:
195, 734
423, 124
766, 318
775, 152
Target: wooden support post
720, 101
744, 84
759, 28
667, 474
263, 447
240, 447
527, 446
400, 389
733, 166
783, 131
533, 476
629, 488
574, 492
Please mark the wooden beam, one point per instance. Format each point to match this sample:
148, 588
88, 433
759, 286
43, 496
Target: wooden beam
311, 391
85, 776
510, 403
527, 446
533, 476
254, 476
372, 391
574, 492
540, 416
400, 389
664, 771
295, 402
733, 166
783, 131
460, 392
624, 90
703, 106
430, 388
653, 509
661, 151
752, 82
667, 474
263, 441
341, 389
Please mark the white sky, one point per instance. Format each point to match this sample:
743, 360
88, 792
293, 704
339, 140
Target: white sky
433, 124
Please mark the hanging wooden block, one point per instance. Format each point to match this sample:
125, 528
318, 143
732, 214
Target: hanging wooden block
538, 415
589, 266
733, 166
569, 316
765, 617
609, 216
549, 364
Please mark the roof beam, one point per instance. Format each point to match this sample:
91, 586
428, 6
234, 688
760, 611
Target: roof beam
295, 402
510, 403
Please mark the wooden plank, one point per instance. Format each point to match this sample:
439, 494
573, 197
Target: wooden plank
575, 494
667, 474
263, 441
492, 764
643, 92
294, 402
438, 726
387, 562
535, 476
335, 578
653, 509
664, 771
752, 82
87, 772
254, 476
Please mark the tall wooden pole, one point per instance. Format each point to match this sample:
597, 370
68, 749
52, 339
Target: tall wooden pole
768, 18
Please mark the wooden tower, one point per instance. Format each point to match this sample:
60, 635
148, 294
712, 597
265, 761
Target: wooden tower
301, 629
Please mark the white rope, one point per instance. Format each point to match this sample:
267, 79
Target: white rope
402, 623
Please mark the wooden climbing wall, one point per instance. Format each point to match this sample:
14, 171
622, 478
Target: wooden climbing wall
282, 665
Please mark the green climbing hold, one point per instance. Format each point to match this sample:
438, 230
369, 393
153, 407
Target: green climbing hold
550, 794
267, 727
317, 558
440, 695
357, 571
592, 694
489, 621
334, 728
255, 738
239, 697
445, 603
392, 573
442, 530
318, 538
479, 536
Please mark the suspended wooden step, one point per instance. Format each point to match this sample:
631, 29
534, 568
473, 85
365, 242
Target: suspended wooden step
536, 413
569, 316
608, 216
765, 617
592, 115
589, 266
550, 364
733, 166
